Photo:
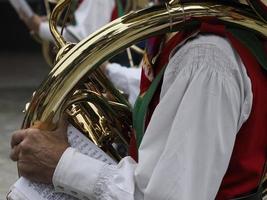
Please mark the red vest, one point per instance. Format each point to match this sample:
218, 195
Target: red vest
249, 155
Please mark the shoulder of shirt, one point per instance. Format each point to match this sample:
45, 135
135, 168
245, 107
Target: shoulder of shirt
205, 51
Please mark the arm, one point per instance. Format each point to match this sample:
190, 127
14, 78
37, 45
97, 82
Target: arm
87, 17
188, 143
204, 95
94, 179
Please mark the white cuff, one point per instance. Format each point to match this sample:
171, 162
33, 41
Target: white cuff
69, 176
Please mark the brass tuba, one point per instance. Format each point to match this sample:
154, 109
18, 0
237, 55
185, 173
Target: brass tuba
77, 87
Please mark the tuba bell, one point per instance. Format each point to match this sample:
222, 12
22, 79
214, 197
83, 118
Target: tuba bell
77, 87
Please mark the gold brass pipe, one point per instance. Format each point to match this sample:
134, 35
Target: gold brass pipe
61, 5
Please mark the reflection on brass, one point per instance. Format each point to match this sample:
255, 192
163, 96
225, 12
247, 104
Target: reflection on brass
75, 86
101, 115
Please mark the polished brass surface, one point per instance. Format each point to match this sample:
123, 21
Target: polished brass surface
59, 92
133, 5
61, 5
98, 112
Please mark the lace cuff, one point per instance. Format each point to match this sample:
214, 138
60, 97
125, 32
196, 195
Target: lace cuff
101, 189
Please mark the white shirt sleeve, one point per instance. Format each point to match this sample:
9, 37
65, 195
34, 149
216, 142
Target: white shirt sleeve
91, 15
125, 79
205, 98
88, 19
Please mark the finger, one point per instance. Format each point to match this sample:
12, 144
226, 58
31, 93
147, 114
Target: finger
14, 154
17, 137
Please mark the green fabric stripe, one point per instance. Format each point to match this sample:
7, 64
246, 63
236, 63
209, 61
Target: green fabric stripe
251, 41
141, 106
120, 8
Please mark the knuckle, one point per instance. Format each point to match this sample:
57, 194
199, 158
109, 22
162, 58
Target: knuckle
12, 156
30, 131
30, 134
17, 137
33, 132
24, 145
14, 153
14, 136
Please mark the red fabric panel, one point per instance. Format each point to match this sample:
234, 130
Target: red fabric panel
79, 2
133, 151
145, 82
115, 14
249, 154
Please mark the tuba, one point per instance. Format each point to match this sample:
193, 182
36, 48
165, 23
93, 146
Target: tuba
77, 87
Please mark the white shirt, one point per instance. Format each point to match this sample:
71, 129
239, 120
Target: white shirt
205, 98
90, 16
125, 79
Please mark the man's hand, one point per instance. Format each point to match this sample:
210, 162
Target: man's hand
38, 152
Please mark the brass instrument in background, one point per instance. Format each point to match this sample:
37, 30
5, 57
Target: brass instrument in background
49, 49
47, 46
77, 87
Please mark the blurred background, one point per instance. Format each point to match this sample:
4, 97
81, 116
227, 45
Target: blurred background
22, 68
